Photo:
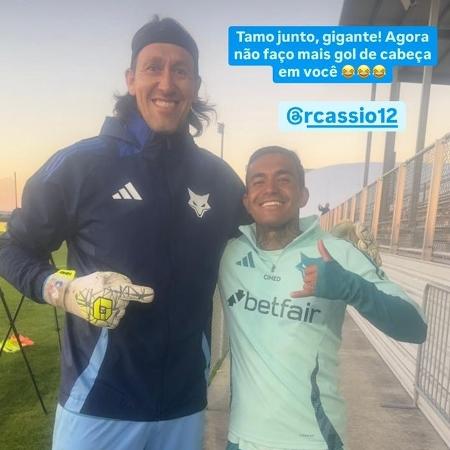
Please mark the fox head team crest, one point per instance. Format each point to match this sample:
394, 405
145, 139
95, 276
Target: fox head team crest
199, 203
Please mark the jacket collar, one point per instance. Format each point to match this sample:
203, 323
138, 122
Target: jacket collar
309, 225
136, 132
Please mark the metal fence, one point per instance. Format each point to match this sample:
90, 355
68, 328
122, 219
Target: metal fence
405, 239
441, 242
357, 211
348, 208
387, 208
370, 203
408, 209
433, 359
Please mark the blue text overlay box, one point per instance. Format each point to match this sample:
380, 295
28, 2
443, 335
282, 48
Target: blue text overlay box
348, 116
338, 54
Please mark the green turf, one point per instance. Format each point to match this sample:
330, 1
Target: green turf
23, 425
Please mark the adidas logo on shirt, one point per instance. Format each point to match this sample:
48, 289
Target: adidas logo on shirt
247, 261
128, 192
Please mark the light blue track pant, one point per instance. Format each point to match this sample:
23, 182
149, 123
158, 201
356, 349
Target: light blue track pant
74, 431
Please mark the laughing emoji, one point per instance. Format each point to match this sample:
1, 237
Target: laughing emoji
348, 71
363, 71
379, 71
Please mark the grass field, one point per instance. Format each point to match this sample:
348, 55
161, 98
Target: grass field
23, 425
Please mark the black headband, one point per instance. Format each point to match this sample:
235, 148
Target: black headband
166, 31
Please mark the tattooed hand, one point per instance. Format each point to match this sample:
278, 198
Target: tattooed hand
100, 298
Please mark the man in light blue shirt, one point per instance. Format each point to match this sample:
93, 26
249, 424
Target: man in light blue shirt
285, 342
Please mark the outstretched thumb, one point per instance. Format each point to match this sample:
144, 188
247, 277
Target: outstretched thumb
323, 251
136, 293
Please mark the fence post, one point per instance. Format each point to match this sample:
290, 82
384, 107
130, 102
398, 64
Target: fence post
376, 207
420, 350
352, 209
433, 200
398, 204
363, 205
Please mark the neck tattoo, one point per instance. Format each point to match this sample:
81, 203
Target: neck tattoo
276, 238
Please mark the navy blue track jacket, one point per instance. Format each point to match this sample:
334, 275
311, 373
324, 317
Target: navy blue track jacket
157, 209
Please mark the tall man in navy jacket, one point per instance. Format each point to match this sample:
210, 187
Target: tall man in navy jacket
145, 214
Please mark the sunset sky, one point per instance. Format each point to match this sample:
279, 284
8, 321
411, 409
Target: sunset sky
62, 61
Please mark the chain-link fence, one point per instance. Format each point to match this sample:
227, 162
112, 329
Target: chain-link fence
433, 360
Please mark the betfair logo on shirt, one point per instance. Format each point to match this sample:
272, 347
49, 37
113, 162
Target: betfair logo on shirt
237, 297
283, 309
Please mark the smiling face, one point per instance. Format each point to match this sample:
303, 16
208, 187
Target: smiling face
165, 84
274, 194
348, 71
379, 71
363, 71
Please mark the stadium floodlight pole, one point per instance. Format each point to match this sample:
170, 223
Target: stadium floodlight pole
221, 131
